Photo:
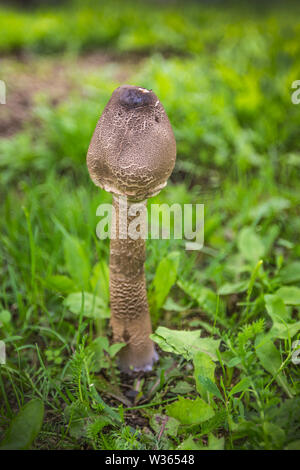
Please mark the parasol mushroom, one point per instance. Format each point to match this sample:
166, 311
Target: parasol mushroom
132, 154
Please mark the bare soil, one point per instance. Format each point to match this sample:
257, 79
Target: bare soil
27, 76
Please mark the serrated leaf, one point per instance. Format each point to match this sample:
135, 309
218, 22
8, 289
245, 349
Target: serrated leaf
24, 427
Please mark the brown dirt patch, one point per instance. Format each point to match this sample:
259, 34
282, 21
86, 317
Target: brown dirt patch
27, 76
23, 81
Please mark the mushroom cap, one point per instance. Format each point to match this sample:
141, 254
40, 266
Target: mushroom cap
133, 150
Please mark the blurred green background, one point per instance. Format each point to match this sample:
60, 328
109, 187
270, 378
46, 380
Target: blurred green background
224, 73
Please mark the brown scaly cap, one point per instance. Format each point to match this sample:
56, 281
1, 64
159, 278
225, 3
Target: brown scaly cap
132, 152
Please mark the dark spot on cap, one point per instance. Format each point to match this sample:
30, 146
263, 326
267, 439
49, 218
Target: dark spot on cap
135, 97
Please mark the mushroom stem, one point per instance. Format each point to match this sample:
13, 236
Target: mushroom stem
130, 318
132, 154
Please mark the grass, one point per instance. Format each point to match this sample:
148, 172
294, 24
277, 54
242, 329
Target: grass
225, 80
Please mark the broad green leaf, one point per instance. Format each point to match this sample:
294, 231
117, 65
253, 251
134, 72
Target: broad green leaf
5, 317
250, 245
276, 308
204, 368
190, 412
185, 343
276, 434
233, 288
270, 237
270, 207
24, 427
234, 362
165, 278
115, 348
100, 280
170, 424
61, 283
181, 388
214, 443
177, 342
290, 295
92, 306
294, 445
100, 343
270, 359
173, 306
206, 298
209, 346
284, 330
189, 444
290, 273
77, 261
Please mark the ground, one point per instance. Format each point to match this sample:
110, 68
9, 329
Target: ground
225, 318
